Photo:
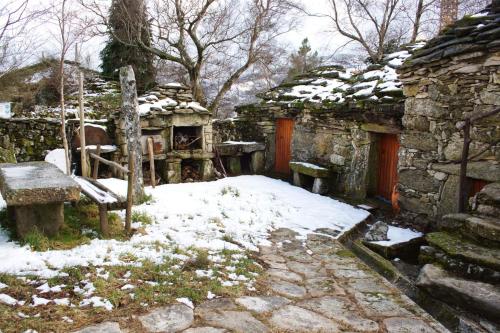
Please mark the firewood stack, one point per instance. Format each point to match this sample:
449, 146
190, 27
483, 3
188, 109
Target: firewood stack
190, 174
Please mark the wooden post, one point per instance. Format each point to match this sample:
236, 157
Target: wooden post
151, 162
129, 117
96, 162
130, 190
103, 219
462, 193
83, 150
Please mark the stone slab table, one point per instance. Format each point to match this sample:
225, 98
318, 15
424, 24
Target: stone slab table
233, 150
319, 174
36, 192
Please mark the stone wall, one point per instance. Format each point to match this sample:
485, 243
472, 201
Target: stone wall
343, 139
454, 77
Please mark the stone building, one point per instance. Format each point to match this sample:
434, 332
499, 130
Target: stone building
181, 130
456, 75
344, 121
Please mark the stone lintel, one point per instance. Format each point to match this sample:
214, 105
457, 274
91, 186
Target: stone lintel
379, 128
486, 170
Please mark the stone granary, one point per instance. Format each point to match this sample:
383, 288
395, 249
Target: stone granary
181, 131
456, 75
333, 118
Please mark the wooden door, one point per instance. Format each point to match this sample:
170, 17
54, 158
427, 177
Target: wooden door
388, 165
284, 130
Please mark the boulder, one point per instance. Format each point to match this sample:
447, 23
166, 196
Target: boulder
377, 232
479, 297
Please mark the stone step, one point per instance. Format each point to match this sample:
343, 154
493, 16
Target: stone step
473, 226
461, 248
430, 254
487, 201
479, 297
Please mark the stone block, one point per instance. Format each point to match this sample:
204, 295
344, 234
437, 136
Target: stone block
207, 170
296, 179
320, 186
424, 107
415, 205
419, 180
486, 170
234, 165
419, 140
310, 169
448, 202
257, 162
46, 218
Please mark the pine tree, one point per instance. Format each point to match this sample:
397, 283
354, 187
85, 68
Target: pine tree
128, 21
303, 61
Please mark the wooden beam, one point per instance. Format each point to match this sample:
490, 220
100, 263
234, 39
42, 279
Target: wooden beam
83, 151
96, 162
103, 220
110, 163
130, 191
151, 161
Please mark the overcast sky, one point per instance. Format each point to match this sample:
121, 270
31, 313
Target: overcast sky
313, 28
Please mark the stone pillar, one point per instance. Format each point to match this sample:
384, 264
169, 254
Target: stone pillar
47, 218
207, 169
320, 186
173, 172
234, 165
129, 117
296, 179
257, 162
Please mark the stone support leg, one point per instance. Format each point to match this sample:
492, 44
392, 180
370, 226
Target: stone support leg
173, 172
297, 179
257, 162
234, 165
207, 170
46, 218
320, 186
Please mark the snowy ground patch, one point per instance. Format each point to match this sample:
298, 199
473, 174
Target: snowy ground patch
230, 214
398, 235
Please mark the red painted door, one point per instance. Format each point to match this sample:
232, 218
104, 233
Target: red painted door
284, 131
388, 165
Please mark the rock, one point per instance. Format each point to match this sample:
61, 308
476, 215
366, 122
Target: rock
309, 270
284, 275
488, 228
419, 180
430, 254
262, 304
287, 289
479, 297
173, 318
486, 170
342, 310
217, 303
295, 319
448, 202
377, 232
310, 169
237, 321
320, 186
205, 330
7, 155
257, 162
108, 327
489, 194
378, 304
322, 286
465, 250
406, 325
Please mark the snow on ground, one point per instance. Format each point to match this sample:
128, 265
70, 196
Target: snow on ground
398, 235
203, 215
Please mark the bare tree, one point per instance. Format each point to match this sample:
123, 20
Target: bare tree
71, 27
16, 45
214, 41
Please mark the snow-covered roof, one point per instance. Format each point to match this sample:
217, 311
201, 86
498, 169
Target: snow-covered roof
334, 84
169, 98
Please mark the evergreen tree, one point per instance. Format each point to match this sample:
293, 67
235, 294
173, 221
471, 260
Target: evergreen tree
303, 61
128, 21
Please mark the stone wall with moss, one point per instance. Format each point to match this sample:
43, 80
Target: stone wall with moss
30, 139
457, 75
342, 138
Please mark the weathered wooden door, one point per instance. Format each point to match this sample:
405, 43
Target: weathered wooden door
388, 165
284, 131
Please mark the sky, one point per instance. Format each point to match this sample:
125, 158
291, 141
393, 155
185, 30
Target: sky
313, 28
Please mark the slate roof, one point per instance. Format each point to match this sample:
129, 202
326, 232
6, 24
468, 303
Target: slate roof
475, 33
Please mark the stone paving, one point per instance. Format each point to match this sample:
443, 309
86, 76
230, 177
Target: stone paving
310, 286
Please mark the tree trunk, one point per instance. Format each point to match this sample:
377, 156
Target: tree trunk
83, 150
448, 13
416, 24
63, 117
131, 120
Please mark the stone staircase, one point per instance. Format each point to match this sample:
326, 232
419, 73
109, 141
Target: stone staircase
462, 262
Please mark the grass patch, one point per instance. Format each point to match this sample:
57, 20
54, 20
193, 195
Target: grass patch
143, 217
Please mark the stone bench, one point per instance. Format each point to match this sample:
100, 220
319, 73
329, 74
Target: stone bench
234, 150
320, 175
35, 193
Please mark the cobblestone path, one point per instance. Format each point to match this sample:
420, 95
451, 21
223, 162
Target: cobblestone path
310, 286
